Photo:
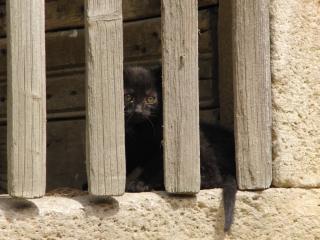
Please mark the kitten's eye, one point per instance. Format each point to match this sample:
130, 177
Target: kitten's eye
151, 100
128, 98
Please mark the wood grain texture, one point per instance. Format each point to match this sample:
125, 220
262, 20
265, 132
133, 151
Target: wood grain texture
105, 115
66, 95
26, 99
66, 63
65, 152
252, 89
180, 93
142, 42
68, 14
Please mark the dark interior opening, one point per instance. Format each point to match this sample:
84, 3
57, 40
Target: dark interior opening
65, 60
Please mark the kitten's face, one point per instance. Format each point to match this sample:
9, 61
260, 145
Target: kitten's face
142, 95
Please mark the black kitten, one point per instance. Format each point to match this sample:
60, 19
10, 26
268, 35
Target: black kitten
143, 124
143, 114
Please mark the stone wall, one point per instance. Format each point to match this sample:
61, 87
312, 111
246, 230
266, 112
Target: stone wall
271, 214
295, 36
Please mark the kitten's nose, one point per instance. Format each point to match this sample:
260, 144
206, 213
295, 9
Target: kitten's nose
138, 109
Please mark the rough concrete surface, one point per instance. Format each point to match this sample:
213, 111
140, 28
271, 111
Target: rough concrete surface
295, 53
271, 214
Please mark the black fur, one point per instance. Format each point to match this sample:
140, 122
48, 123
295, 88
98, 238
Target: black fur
143, 124
144, 138
218, 166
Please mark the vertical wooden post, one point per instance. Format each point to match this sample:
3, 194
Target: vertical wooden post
26, 98
105, 106
252, 92
180, 94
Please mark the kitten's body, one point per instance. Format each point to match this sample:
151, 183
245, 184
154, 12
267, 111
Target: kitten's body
144, 137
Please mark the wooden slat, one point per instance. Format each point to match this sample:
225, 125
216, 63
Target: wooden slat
181, 101
142, 42
66, 95
105, 115
252, 88
225, 64
65, 61
65, 155
66, 152
67, 14
209, 115
26, 99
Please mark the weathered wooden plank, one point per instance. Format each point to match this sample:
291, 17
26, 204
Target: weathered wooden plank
215, 55
65, 155
65, 56
104, 101
142, 42
66, 152
252, 88
26, 99
69, 13
180, 94
141, 9
225, 64
209, 115
66, 95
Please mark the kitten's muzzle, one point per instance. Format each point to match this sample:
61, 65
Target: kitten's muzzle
138, 109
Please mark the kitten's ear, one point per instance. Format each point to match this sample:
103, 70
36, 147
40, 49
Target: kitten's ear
157, 70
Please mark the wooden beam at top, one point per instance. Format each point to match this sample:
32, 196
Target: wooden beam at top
105, 106
252, 92
26, 99
180, 94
